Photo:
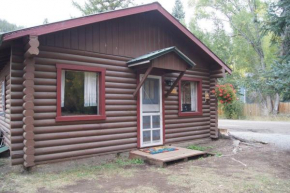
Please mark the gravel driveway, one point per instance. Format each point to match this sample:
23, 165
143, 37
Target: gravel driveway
274, 132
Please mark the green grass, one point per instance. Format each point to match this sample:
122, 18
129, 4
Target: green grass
124, 162
199, 148
56, 181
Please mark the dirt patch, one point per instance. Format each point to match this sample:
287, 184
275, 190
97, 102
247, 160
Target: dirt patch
259, 168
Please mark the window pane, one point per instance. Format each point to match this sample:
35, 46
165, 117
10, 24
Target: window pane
151, 95
188, 96
146, 122
156, 135
156, 121
75, 93
146, 136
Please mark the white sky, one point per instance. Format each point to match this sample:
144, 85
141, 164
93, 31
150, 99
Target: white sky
29, 13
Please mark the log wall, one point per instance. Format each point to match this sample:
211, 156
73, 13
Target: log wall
16, 124
62, 140
179, 129
5, 119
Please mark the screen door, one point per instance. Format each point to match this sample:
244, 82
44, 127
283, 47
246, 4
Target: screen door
151, 112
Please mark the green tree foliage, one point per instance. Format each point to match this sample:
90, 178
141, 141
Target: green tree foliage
246, 48
279, 24
5, 26
98, 6
178, 11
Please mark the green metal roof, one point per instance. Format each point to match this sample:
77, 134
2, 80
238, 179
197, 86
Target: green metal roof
158, 53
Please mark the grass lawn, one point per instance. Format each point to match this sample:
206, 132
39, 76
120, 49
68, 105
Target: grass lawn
266, 170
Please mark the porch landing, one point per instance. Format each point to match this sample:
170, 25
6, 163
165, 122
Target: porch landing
162, 159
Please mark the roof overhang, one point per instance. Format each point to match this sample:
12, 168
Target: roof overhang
72, 23
158, 53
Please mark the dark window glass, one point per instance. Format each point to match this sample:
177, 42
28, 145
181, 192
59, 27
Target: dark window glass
74, 95
188, 96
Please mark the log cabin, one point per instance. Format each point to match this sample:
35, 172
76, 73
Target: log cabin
105, 83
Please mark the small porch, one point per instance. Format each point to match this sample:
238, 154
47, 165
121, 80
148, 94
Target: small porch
162, 159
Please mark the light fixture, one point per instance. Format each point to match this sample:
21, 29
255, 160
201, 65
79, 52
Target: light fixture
206, 96
169, 82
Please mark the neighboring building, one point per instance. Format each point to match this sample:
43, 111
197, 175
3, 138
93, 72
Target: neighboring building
105, 83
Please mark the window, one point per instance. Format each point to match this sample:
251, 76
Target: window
81, 93
190, 97
3, 98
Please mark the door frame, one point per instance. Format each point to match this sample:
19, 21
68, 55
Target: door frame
139, 108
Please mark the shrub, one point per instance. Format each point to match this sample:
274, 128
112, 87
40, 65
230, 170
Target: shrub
233, 110
225, 94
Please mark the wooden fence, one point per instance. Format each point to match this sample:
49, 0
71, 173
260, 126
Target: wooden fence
284, 108
255, 110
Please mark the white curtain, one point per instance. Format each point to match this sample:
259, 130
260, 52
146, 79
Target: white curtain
91, 83
193, 95
62, 87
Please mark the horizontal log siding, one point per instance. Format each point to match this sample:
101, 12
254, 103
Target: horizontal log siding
16, 104
178, 129
214, 74
5, 119
130, 36
62, 140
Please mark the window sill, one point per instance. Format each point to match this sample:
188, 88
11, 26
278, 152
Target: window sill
188, 114
80, 118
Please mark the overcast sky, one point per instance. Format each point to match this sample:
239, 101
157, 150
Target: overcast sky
33, 12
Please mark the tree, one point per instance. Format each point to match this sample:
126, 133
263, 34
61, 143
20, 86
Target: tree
5, 26
245, 19
278, 23
98, 6
45, 21
178, 11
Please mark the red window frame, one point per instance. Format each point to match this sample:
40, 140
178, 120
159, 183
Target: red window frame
102, 104
199, 97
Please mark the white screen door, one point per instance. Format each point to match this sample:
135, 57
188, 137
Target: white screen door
151, 112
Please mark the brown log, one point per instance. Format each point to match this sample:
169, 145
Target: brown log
184, 134
51, 122
51, 75
51, 61
40, 109
188, 129
44, 88
83, 53
119, 91
17, 161
73, 147
28, 128
88, 59
44, 81
45, 102
120, 85
185, 125
120, 107
28, 105
106, 127
121, 102
178, 139
76, 134
83, 152
45, 68
79, 140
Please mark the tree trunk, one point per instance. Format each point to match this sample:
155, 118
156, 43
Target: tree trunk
276, 104
269, 104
